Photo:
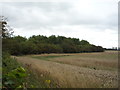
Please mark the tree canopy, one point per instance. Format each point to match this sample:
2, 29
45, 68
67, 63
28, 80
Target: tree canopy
38, 44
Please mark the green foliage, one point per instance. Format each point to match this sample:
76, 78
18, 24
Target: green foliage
20, 39
13, 74
84, 42
15, 78
53, 39
8, 63
38, 39
48, 57
19, 45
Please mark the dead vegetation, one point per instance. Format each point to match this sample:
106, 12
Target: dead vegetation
83, 70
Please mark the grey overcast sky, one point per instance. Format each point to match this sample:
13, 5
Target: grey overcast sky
93, 20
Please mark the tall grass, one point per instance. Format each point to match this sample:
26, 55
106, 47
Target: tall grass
16, 75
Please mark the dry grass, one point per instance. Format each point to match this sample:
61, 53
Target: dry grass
89, 61
86, 70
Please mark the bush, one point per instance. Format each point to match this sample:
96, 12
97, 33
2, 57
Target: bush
13, 74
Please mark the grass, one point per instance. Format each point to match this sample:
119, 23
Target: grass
39, 79
47, 58
32, 80
82, 70
97, 61
104, 55
0, 77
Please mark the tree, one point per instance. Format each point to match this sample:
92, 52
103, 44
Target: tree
38, 39
6, 29
53, 39
20, 39
84, 42
6, 33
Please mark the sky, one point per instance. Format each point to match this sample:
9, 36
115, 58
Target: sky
93, 20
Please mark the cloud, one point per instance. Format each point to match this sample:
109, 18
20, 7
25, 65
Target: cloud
106, 38
84, 19
42, 14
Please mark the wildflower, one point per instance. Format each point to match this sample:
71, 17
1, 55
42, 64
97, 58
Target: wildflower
47, 81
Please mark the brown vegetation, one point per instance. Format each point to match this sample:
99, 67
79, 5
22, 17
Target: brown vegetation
83, 70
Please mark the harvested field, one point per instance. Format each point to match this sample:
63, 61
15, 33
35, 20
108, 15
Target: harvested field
81, 70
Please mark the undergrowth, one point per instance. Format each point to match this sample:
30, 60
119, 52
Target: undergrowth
15, 75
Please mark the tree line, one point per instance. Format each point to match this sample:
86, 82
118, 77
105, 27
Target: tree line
39, 44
